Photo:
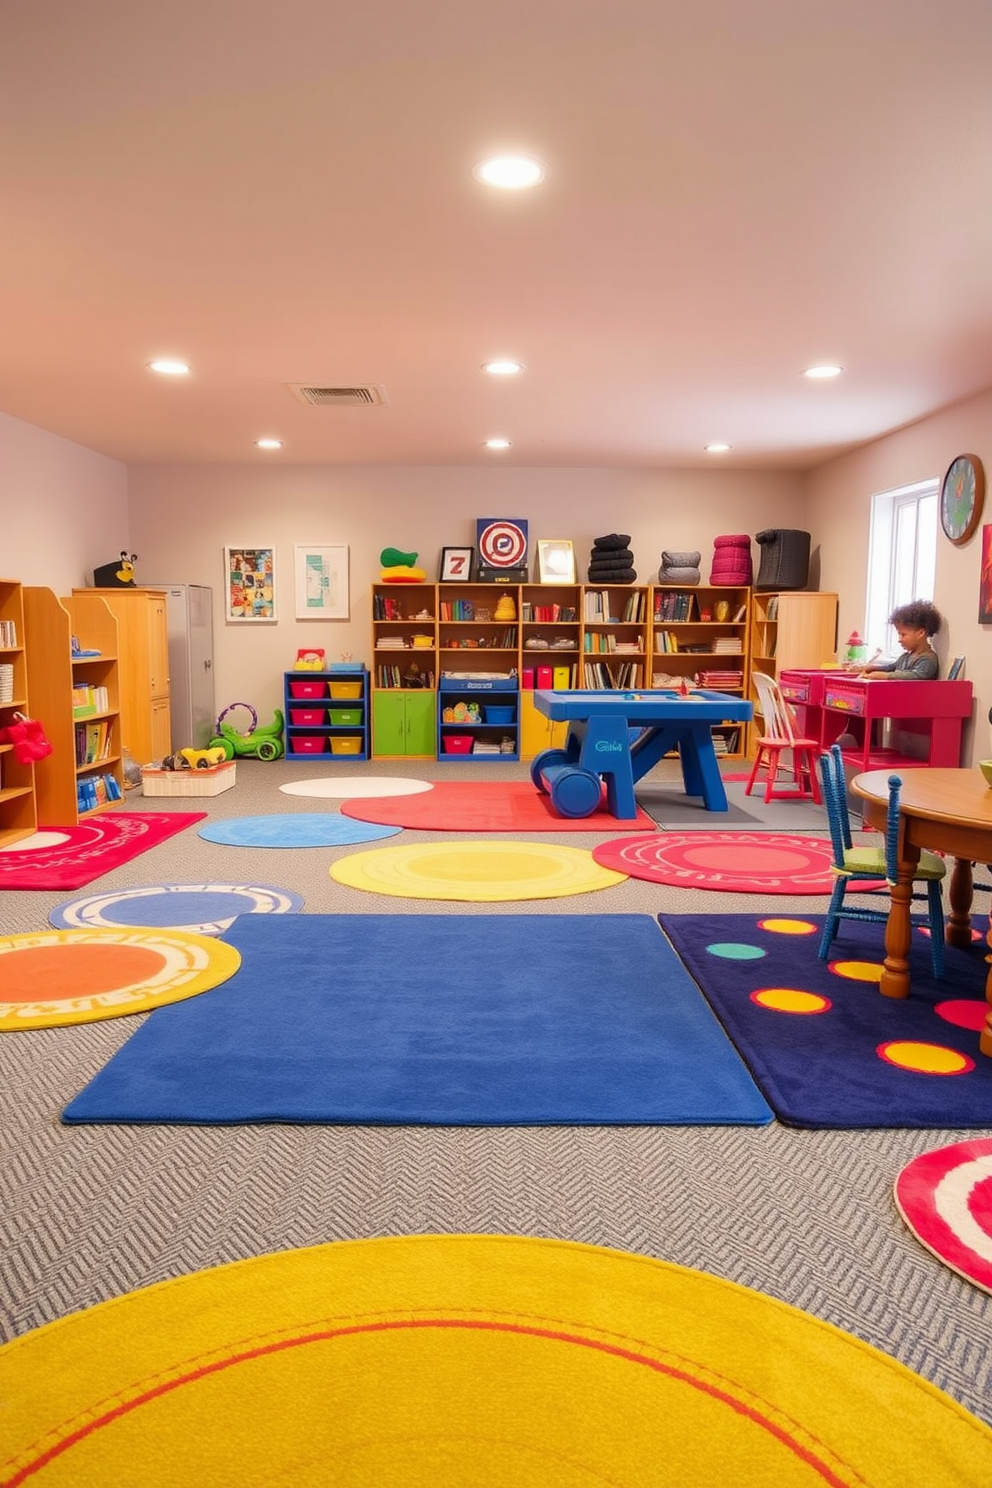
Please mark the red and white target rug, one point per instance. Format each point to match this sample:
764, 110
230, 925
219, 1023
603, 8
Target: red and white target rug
945, 1197
731, 862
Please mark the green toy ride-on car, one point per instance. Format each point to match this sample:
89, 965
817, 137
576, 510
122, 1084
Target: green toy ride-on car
258, 743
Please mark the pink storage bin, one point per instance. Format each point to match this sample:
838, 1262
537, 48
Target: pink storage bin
308, 689
457, 743
307, 744
312, 716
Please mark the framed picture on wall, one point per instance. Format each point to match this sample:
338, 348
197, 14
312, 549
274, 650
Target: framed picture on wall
249, 585
321, 575
985, 578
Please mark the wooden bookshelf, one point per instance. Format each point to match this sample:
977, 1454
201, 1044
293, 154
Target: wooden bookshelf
18, 804
53, 672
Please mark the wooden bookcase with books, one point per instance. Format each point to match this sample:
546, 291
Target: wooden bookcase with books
18, 809
702, 635
615, 628
75, 694
551, 652
404, 671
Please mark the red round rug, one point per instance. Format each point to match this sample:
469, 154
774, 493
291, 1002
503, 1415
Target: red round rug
731, 862
486, 806
945, 1197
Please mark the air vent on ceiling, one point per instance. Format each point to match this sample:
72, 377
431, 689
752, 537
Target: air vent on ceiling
338, 397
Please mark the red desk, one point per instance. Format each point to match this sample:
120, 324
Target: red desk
837, 703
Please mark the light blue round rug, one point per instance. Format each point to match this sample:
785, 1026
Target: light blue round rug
296, 829
201, 909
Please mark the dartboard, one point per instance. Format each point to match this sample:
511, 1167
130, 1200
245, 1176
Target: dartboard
502, 542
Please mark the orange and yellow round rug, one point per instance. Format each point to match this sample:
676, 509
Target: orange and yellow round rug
445, 1360
483, 870
81, 976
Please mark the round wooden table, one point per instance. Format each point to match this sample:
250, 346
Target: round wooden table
947, 811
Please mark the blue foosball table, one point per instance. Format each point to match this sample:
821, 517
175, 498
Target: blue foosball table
617, 737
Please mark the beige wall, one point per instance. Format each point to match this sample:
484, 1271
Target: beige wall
65, 508
182, 517
838, 510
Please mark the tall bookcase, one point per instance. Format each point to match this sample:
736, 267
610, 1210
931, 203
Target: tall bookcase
404, 671
703, 631
68, 791
143, 668
18, 808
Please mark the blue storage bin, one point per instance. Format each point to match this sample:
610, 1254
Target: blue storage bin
499, 715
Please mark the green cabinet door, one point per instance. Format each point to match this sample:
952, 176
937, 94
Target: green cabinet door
403, 722
388, 722
421, 723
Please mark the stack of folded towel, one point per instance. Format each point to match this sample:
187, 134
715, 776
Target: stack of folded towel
679, 568
611, 560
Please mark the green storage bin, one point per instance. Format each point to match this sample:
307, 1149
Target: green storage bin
344, 715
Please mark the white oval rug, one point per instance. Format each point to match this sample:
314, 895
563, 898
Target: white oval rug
350, 787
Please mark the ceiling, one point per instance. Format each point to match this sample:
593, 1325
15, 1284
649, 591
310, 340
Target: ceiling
281, 191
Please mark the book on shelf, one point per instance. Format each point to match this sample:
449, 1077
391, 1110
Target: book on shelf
8, 634
674, 604
956, 668
741, 614
773, 607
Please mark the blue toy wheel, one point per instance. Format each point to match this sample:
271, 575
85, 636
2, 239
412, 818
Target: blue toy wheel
575, 792
541, 762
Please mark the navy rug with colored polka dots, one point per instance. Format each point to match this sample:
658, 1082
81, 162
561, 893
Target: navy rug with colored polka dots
824, 1046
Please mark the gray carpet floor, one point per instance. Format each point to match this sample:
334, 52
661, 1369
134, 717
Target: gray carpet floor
808, 1217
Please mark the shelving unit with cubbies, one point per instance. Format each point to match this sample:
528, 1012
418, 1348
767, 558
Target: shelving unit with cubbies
403, 703
327, 714
701, 635
551, 643
615, 628
790, 630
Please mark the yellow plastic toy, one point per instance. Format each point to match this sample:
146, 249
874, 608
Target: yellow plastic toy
203, 759
400, 568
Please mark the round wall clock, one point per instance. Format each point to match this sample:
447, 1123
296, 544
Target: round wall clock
962, 492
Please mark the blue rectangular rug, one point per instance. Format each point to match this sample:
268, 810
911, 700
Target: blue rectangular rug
826, 1048
430, 1019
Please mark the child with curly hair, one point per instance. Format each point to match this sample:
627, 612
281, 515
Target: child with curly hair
915, 623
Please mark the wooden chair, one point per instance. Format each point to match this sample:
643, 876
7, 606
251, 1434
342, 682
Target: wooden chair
856, 865
778, 738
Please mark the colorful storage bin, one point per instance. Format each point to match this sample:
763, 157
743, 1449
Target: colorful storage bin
344, 715
346, 746
312, 716
312, 689
307, 743
457, 743
344, 689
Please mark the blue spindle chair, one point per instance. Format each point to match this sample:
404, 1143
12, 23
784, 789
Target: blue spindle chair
857, 865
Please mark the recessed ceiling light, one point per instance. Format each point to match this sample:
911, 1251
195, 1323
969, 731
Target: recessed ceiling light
821, 373
717, 449
503, 367
269, 443
169, 367
511, 172
497, 444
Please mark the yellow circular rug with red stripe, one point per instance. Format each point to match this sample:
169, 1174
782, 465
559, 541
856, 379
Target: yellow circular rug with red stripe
439, 1361
55, 977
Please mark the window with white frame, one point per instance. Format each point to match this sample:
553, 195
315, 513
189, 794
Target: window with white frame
902, 558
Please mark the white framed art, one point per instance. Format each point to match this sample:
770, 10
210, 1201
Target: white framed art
321, 574
249, 585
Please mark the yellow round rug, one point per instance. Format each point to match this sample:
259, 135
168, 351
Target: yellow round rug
437, 1361
485, 870
81, 976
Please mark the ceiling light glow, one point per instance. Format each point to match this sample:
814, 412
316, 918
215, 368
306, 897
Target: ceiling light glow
821, 373
717, 449
497, 444
503, 367
169, 367
510, 172
269, 443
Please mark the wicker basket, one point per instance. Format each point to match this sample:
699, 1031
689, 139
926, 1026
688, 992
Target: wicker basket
210, 782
